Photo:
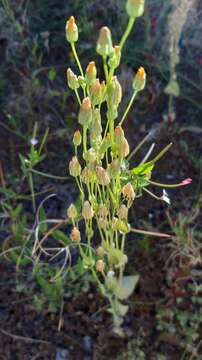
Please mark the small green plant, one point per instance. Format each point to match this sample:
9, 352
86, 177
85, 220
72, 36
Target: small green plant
108, 186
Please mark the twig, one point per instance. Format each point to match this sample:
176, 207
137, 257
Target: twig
23, 338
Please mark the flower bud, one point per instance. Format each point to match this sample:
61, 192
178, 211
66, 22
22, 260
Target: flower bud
75, 235
96, 92
77, 138
115, 223
100, 251
118, 135
82, 81
72, 212
91, 155
86, 175
104, 43
113, 168
115, 57
122, 212
128, 192
85, 113
102, 223
72, 80
100, 265
123, 149
91, 73
71, 30
102, 211
87, 211
140, 80
102, 176
114, 92
96, 126
74, 167
135, 8
106, 143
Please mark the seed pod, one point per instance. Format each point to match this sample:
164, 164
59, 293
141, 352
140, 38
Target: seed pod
96, 92
115, 223
104, 43
113, 168
102, 176
100, 265
72, 212
118, 135
74, 167
87, 211
122, 212
77, 138
102, 211
100, 251
85, 113
75, 235
91, 155
91, 73
135, 8
102, 223
128, 192
96, 126
114, 92
140, 80
123, 149
71, 30
72, 80
86, 175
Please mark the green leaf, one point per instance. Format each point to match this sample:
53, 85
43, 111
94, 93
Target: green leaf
52, 74
143, 169
126, 286
121, 309
42, 218
16, 212
61, 236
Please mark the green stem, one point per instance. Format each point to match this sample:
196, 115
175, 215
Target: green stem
151, 233
77, 59
85, 139
78, 97
105, 69
164, 185
128, 107
161, 153
31, 184
127, 32
50, 176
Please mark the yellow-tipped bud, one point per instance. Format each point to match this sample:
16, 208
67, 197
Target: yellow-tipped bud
74, 167
87, 211
75, 235
91, 73
104, 43
100, 266
85, 113
72, 212
115, 57
114, 168
102, 176
118, 135
128, 192
72, 80
71, 30
140, 80
77, 138
135, 8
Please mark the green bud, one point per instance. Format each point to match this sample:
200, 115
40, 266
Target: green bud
77, 138
114, 168
135, 8
118, 135
114, 93
115, 57
91, 73
72, 80
74, 167
104, 43
96, 92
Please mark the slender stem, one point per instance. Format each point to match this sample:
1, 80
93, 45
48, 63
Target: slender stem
162, 153
85, 139
144, 140
128, 107
127, 32
31, 184
77, 59
151, 233
49, 175
105, 69
78, 97
43, 140
164, 185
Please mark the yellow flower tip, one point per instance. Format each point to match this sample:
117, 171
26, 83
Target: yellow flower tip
86, 104
141, 73
91, 68
71, 23
117, 50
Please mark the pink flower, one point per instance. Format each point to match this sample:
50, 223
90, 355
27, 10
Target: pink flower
186, 182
